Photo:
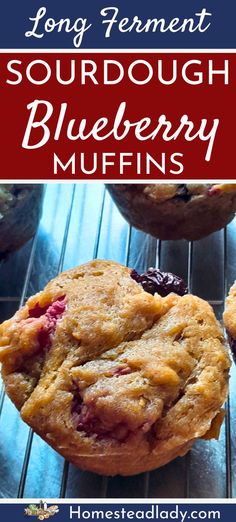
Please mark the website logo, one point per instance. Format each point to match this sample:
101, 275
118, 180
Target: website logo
41, 510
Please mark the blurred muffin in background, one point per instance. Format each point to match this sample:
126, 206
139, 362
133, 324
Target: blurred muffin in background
176, 211
20, 211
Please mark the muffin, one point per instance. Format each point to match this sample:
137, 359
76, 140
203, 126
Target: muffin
20, 211
229, 317
115, 377
174, 211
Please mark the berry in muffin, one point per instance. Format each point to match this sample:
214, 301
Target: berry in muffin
171, 211
117, 379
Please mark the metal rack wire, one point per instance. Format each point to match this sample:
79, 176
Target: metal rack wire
80, 222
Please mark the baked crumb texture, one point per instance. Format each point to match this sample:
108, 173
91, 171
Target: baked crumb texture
115, 379
172, 211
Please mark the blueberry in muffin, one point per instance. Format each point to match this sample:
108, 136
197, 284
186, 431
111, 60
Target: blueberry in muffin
171, 211
115, 377
20, 211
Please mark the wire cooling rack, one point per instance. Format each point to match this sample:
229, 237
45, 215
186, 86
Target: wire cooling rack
80, 222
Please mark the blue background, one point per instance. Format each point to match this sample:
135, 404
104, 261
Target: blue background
14, 512
14, 23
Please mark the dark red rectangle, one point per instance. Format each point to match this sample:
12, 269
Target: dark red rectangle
182, 100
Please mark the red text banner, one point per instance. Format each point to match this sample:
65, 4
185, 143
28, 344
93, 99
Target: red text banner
120, 116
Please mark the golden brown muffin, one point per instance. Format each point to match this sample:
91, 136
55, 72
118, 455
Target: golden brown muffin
172, 211
117, 380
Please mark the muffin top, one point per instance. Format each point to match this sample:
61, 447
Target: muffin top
10, 194
161, 192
